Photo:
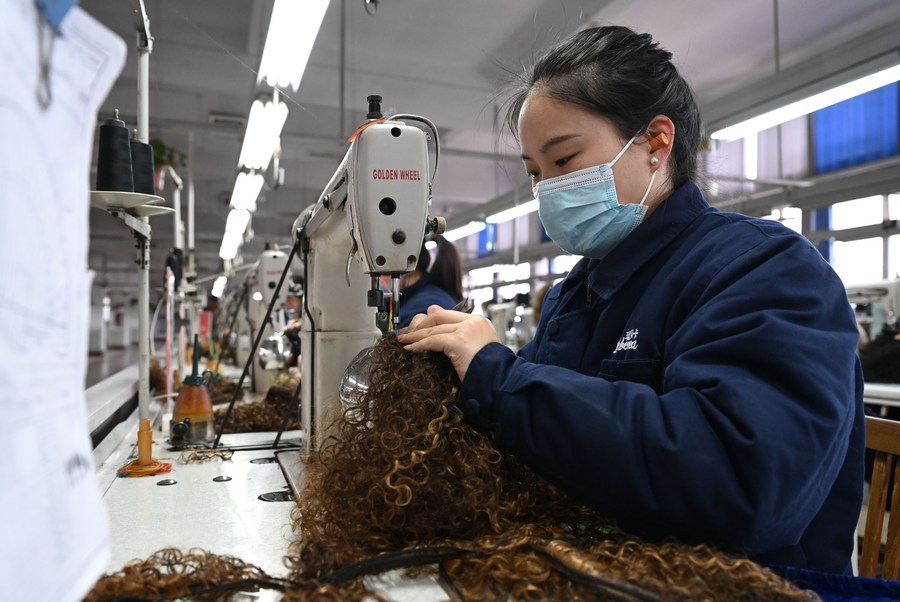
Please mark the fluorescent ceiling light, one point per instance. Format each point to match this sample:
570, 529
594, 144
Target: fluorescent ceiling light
233, 239
513, 212
218, 286
463, 231
263, 132
246, 191
231, 242
292, 32
237, 221
228, 249
809, 105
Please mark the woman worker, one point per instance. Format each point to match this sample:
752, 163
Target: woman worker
438, 283
695, 375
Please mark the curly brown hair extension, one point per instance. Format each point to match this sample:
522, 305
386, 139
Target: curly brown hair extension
402, 480
265, 414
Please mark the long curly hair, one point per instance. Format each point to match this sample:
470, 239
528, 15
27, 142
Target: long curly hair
403, 481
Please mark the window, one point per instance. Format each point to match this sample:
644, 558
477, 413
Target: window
859, 212
479, 297
563, 263
481, 276
787, 144
893, 266
792, 217
858, 261
509, 292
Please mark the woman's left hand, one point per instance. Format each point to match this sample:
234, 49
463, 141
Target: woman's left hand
457, 335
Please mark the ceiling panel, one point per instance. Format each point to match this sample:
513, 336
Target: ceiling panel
445, 60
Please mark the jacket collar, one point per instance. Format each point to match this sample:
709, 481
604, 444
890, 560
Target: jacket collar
672, 216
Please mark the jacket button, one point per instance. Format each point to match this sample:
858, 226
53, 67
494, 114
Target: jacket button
470, 407
552, 327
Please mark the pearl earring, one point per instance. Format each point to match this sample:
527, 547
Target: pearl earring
654, 160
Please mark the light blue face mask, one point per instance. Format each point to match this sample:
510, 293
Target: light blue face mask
581, 212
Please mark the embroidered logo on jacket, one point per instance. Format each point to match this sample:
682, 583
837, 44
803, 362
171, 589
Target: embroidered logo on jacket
628, 341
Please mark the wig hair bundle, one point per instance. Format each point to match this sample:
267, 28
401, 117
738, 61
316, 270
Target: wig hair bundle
404, 481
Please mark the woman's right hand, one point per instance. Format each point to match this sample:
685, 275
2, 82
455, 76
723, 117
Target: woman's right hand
457, 335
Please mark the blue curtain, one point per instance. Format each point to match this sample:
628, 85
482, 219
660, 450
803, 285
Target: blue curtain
822, 221
487, 239
858, 130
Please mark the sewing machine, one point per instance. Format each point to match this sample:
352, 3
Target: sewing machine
263, 282
877, 304
366, 227
512, 322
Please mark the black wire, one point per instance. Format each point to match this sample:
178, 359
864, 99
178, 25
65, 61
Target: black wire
620, 590
309, 378
237, 310
291, 407
400, 559
243, 585
448, 583
259, 334
611, 588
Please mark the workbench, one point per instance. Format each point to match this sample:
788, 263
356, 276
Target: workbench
222, 517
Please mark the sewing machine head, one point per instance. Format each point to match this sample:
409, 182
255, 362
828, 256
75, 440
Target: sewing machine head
367, 225
268, 271
384, 185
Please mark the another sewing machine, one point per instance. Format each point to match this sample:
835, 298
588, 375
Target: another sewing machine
877, 304
367, 227
263, 282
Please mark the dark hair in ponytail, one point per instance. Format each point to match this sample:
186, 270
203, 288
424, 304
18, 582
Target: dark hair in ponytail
624, 76
446, 271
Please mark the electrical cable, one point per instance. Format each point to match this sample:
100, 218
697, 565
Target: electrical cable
291, 407
259, 334
237, 308
610, 588
310, 378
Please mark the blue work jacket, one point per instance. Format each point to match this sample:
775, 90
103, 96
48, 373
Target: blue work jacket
699, 382
421, 295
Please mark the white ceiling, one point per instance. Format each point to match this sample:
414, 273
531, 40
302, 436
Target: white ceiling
444, 59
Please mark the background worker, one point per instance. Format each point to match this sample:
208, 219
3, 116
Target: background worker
431, 283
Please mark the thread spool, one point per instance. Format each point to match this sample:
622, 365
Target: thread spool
114, 157
142, 166
145, 443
